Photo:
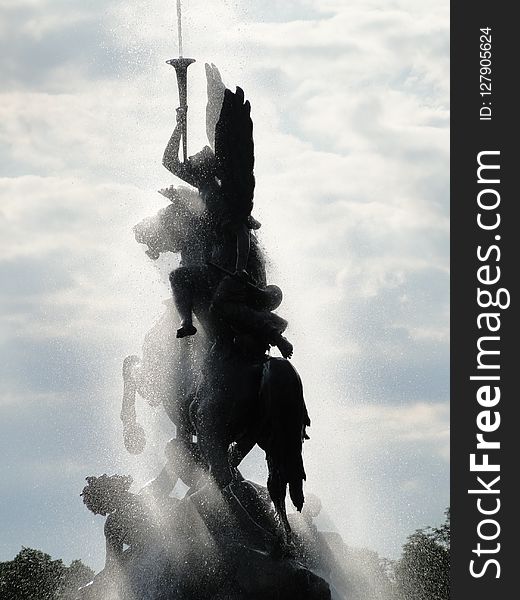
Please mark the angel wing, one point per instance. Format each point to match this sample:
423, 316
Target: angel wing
234, 153
216, 89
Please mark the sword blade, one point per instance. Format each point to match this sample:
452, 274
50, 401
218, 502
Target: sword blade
179, 26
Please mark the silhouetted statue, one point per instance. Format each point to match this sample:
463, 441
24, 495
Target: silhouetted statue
221, 388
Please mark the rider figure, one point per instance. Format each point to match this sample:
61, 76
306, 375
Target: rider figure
237, 299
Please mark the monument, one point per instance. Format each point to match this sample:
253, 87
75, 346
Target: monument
208, 362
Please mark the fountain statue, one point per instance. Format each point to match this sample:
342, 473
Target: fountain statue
208, 362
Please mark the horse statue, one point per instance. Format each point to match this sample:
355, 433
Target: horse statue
218, 382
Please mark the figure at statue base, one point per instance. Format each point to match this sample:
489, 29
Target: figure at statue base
206, 546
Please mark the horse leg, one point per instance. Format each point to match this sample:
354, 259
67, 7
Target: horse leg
240, 449
182, 284
162, 485
183, 461
213, 442
237, 451
216, 454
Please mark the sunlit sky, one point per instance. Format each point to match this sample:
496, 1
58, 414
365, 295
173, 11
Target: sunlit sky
350, 108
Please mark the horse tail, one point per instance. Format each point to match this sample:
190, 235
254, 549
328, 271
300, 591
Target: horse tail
282, 395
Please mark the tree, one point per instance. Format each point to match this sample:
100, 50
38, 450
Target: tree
74, 576
33, 575
423, 571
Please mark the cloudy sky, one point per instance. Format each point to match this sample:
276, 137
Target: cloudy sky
350, 105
